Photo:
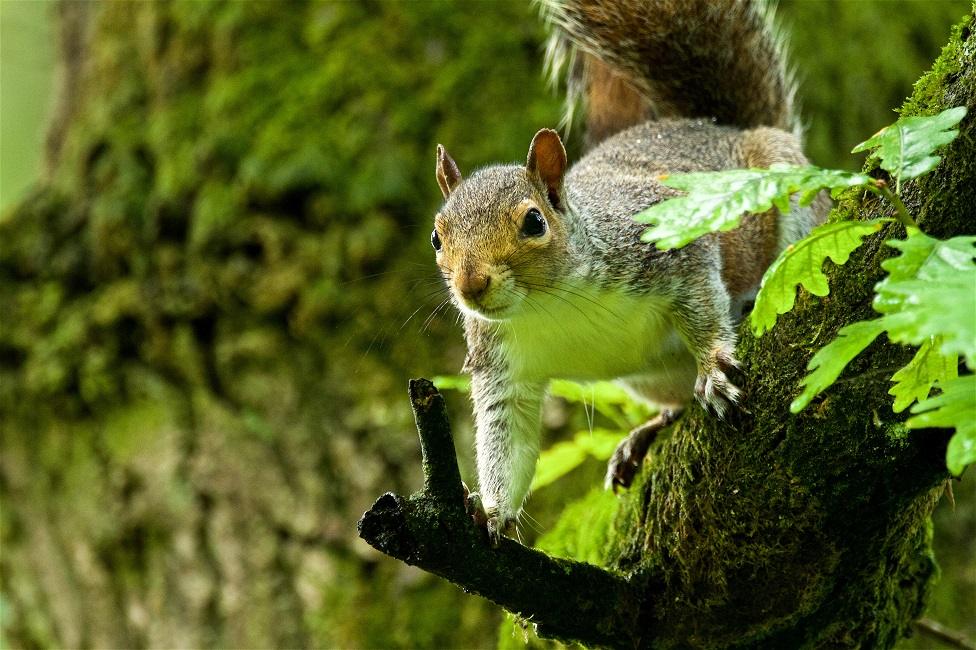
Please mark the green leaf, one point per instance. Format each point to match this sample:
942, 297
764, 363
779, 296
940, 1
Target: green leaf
801, 264
905, 147
830, 360
915, 380
607, 398
563, 457
954, 408
962, 447
602, 392
716, 201
931, 291
555, 462
460, 383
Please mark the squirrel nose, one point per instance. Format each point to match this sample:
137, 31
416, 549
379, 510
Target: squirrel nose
473, 285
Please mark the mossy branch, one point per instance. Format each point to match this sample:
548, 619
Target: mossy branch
564, 599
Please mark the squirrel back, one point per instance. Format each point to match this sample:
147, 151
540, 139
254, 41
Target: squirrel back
633, 60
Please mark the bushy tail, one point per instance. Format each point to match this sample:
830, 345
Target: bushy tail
633, 60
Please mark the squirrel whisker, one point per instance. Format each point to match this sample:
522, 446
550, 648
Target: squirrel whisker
573, 292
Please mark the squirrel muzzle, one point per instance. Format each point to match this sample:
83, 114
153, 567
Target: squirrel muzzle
472, 285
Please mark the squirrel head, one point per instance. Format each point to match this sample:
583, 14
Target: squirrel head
502, 233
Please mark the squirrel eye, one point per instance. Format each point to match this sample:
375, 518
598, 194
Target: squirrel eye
435, 241
534, 224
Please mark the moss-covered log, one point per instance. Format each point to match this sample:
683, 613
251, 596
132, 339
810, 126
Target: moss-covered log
798, 531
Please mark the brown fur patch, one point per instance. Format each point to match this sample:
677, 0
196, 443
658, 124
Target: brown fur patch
612, 102
748, 250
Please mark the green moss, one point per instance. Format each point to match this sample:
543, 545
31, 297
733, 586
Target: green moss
929, 92
133, 430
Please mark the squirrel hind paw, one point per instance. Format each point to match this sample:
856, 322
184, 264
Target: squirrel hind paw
629, 454
623, 465
625, 462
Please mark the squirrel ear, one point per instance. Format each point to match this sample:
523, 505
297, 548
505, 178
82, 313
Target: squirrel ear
547, 162
448, 174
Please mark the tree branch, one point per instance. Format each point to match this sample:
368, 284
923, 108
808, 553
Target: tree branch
430, 529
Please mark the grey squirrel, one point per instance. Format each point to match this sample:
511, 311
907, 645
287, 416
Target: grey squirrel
545, 261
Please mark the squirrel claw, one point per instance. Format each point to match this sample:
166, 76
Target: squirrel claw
629, 454
493, 524
497, 526
622, 466
494, 532
716, 392
474, 508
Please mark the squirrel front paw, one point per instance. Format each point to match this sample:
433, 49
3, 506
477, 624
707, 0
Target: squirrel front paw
490, 520
714, 389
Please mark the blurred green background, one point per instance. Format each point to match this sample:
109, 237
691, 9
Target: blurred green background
27, 55
214, 292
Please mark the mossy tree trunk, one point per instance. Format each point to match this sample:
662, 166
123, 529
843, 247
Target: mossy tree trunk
781, 531
202, 318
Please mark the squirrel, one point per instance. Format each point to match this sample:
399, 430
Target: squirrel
546, 264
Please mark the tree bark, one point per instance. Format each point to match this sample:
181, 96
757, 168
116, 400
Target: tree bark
782, 531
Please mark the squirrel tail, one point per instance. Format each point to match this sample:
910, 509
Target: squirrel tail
635, 60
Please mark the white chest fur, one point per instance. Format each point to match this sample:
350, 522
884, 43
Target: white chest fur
584, 334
